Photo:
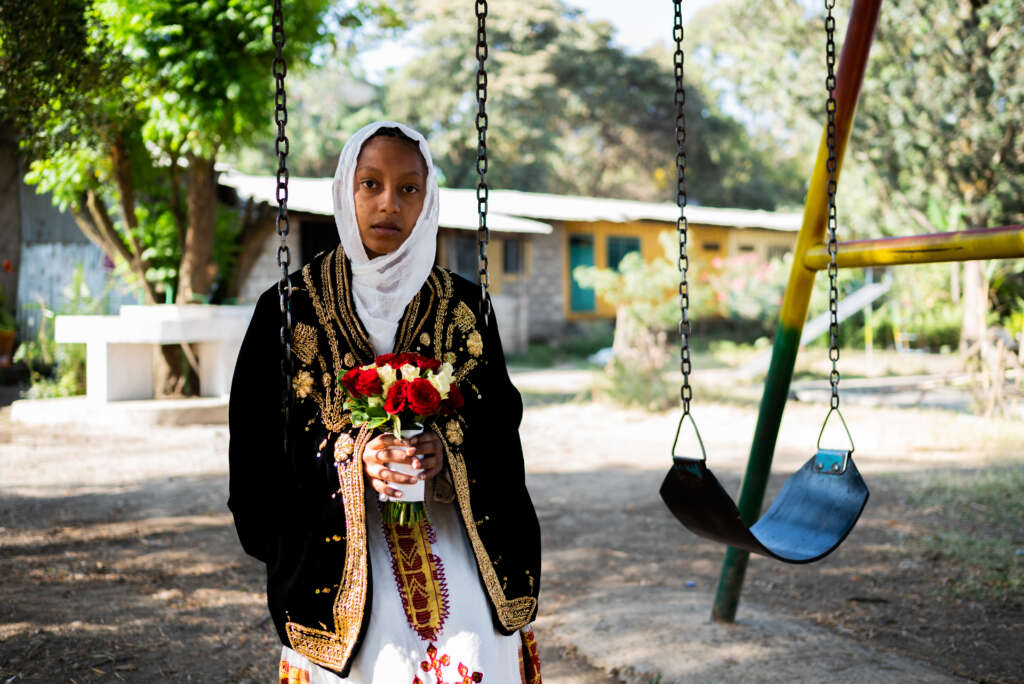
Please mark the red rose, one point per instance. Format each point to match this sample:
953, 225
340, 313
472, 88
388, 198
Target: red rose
348, 381
368, 383
424, 398
428, 364
396, 400
454, 401
383, 359
396, 361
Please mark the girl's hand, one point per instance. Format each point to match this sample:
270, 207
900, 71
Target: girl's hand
422, 451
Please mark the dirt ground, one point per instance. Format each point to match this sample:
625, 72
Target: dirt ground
120, 563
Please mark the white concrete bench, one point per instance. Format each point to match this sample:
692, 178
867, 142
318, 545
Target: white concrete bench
120, 349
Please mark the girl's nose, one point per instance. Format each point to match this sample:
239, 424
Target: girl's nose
390, 200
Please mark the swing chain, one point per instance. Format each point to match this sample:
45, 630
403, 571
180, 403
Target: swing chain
682, 225
483, 234
283, 253
833, 244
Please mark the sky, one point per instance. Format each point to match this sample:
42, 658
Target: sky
638, 23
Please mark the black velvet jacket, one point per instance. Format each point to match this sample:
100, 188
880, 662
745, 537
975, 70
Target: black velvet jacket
304, 514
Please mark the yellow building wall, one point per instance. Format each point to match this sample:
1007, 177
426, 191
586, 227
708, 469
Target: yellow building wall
704, 243
498, 279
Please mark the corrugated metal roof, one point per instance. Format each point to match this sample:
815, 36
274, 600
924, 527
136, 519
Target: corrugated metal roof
574, 208
313, 195
521, 212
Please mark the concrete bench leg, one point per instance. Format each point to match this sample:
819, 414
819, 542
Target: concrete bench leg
216, 365
116, 372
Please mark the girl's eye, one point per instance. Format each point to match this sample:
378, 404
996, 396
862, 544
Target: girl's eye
411, 189
368, 183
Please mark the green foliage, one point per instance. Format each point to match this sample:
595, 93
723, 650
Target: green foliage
200, 69
158, 235
742, 287
116, 102
643, 289
647, 387
642, 293
225, 250
570, 112
58, 370
7, 320
983, 548
586, 338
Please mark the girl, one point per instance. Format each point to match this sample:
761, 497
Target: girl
355, 599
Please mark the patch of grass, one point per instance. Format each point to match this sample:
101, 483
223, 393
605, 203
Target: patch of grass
536, 355
988, 549
533, 399
572, 351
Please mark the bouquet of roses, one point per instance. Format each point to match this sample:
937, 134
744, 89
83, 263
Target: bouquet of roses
400, 393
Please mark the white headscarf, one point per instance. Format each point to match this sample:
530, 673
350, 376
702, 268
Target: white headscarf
382, 287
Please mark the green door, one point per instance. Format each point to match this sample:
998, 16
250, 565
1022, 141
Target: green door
581, 253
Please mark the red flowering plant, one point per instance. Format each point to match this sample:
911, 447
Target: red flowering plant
396, 393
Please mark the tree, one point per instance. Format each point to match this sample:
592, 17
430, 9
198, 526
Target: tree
123, 108
569, 111
940, 121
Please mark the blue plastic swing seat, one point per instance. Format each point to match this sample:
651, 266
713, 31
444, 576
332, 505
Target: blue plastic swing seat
812, 515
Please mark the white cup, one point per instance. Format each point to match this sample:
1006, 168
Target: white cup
410, 492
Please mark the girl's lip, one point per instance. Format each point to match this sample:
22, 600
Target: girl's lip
386, 227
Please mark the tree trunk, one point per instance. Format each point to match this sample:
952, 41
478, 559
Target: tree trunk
197, 268
258, 225
975, 303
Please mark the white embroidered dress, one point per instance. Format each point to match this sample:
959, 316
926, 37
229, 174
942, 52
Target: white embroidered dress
465, 648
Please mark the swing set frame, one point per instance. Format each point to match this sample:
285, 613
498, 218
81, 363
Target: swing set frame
811, 256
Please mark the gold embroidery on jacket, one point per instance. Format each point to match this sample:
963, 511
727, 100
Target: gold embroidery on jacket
513, 613
464, 317
446, 291
403, 339
304, 343
333, 649
453, 431
302, 383
475, 343
330, 402
343, 308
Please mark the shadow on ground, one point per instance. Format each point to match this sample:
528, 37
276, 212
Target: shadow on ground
147, 583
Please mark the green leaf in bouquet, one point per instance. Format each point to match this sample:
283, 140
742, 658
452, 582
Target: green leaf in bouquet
376, 422
376, 412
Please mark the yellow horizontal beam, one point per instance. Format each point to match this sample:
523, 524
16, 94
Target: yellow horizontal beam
1006, 242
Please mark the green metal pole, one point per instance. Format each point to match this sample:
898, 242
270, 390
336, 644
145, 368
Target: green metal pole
849, 76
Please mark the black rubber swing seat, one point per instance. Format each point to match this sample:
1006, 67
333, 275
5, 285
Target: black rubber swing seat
812, 515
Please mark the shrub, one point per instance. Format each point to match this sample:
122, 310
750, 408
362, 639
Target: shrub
58, 370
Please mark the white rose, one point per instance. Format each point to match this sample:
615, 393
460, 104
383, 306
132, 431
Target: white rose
388, 376
409, 371
445, 374
440, 385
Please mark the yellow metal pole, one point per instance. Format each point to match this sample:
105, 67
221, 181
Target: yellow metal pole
852, 62
1006, 242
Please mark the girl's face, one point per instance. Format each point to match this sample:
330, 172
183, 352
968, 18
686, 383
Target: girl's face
388, 188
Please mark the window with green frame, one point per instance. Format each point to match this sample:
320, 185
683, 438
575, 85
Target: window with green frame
619, 247
581, 253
